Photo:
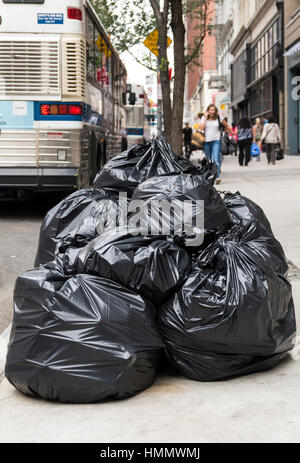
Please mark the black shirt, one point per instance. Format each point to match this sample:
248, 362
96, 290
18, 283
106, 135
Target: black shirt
187, 132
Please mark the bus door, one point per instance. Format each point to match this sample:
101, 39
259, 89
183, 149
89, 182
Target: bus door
97, 155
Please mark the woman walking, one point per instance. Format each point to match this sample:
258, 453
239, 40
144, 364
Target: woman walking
211, 125
257, 132
272, 137
234, 133
245, 137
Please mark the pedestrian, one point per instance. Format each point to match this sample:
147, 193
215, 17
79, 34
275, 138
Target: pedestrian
272, 137
234, 133
265, 121
187, 139
212, 126
245, 137
257, 132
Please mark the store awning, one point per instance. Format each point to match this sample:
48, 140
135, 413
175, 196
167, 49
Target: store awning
295, 50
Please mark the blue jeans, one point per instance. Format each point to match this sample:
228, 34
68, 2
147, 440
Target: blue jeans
212, 150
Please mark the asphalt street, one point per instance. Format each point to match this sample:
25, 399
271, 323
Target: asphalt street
19, 231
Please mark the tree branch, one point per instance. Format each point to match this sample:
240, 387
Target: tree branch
156, 10
140, 62
202, 37
166, 10
195, 52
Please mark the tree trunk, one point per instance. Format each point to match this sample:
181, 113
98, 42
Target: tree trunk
164, 79
179, 75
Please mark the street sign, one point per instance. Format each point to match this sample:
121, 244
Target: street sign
152, 40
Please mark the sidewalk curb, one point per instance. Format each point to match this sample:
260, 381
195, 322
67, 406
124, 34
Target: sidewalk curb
4, 339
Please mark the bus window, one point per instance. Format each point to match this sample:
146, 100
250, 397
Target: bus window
109, 76
90, 49
98, 56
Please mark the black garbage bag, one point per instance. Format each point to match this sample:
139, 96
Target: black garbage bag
207, 169
185, 206
126, 170
152, 267
246, 212
80, 339
76, 220
234, 315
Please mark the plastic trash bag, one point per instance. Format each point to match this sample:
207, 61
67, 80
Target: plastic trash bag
255, 151
80, 339
185, 206
233, 315
207, 169
76, 220
150, 266
229, 144
126, 170
246, 212
87, 213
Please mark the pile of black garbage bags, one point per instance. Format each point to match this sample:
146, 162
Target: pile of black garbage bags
111, 297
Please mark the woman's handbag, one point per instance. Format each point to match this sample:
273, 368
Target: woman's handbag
255, 151
198, 139
228, 144
279, 153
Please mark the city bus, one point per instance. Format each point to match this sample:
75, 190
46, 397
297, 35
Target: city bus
61, 84
138, 116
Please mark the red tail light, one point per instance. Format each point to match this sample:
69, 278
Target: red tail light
74, 13
74, 110
54, 109
63, 109
60, 110
45, 109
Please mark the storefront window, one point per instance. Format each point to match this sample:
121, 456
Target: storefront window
266, 63
261, 99
275, 32
239, 77
263, 48
270, 38
263, 56
271, 60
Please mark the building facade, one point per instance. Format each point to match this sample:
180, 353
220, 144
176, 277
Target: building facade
292, 75
257, 70
225, 11
198, 93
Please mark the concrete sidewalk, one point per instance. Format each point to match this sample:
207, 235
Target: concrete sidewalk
262, 407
